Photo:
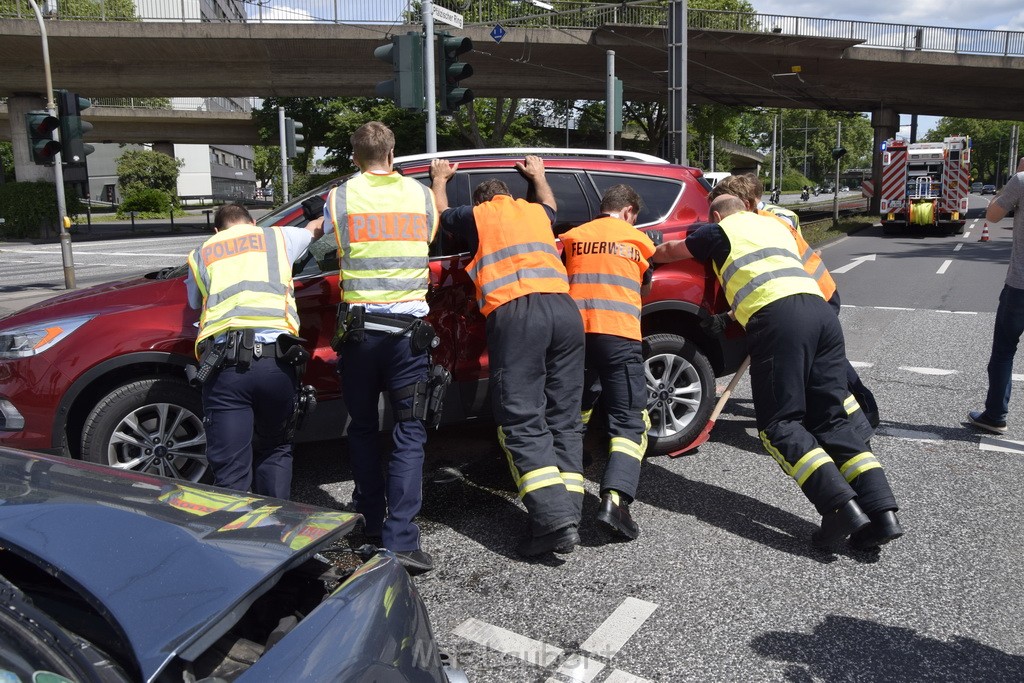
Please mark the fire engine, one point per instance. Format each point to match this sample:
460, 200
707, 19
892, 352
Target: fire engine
925, 184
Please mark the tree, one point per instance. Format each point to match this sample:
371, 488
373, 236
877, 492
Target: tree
6, 162
110, 10
266, 164
143, 169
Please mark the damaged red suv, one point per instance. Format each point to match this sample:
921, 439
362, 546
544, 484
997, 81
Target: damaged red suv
98, 374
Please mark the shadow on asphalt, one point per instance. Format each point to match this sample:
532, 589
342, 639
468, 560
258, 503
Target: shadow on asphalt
844, 649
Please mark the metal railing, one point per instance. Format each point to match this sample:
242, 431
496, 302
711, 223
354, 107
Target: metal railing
214, 104
566, 14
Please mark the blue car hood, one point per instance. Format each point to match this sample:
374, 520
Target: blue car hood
168, 563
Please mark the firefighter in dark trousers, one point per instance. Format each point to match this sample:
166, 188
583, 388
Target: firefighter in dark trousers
535, 344
748, 188
383, 224
241, 278
607, 263
797, 372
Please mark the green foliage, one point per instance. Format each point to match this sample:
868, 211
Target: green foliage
30, 209
145, 201
6, 162
110, 10
990, 141
143, 169
794, 181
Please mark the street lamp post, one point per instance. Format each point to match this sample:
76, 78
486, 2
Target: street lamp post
58, 171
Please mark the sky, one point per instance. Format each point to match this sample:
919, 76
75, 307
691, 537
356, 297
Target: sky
1002, 15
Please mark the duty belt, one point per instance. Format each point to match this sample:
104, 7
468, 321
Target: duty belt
395, 324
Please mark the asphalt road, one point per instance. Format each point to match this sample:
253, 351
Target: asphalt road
722, 585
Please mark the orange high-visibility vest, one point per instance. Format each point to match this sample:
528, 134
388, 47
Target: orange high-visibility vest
517, 253
812, 262
606, 260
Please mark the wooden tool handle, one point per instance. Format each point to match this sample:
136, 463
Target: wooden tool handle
728, 390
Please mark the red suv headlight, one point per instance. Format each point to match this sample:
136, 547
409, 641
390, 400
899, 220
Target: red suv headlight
34, 338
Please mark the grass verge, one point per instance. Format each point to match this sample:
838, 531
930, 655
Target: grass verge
819, 232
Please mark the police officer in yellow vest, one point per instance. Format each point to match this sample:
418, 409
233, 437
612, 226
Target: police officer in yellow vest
383, 224
607, 262
797, 372
534, 345
242, 279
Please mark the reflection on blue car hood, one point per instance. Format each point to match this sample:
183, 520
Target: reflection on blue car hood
137, 546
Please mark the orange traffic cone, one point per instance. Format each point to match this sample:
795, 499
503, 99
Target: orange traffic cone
984, 233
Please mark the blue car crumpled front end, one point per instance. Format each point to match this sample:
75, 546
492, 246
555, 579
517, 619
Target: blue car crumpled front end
178, 581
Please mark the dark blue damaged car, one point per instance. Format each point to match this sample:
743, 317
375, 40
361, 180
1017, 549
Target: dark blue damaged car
113, 575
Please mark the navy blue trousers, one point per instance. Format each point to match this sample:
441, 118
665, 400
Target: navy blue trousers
387, 501
246, 414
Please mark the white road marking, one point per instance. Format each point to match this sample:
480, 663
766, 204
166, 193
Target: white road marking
617, 676
861, 364
942, 268
580, 668
989, 443
1017, 378
85, 252
605, 642
966, 235
853, 264
619, 627
509, 643
928, 371
909, 434
966, 312
894, 308
958, 247
848, 306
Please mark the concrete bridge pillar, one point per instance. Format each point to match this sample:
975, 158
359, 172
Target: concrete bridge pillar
24, 169
886, 123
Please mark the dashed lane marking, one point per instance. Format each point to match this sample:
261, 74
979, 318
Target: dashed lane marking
944, 266
577, 667
928, 371
1017, 378
861, 364
989, 443
959, 246
893, 308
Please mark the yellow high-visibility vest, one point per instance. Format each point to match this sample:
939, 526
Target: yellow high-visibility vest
245, 278
384, 225
763, 265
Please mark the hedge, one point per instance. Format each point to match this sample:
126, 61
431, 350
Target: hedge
29, 209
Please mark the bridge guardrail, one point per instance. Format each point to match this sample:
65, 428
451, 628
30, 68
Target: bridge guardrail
566, 14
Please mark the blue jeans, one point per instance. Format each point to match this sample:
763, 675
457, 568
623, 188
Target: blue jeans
1008, 329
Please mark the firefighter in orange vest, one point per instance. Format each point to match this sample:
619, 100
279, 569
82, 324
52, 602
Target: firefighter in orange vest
607, 262
535, 346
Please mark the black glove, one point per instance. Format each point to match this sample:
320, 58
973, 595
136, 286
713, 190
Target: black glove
716, 324
655, 236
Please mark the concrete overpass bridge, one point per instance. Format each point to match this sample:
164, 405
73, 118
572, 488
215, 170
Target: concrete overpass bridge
736, 59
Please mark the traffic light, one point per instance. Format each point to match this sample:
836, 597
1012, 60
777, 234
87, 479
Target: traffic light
405, 54
838, 153
40, 136
453, 71
72, 127
291, 138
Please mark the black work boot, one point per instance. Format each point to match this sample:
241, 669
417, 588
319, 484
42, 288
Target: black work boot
415, 561
615, 518
884, 527
840, 523
562, 540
